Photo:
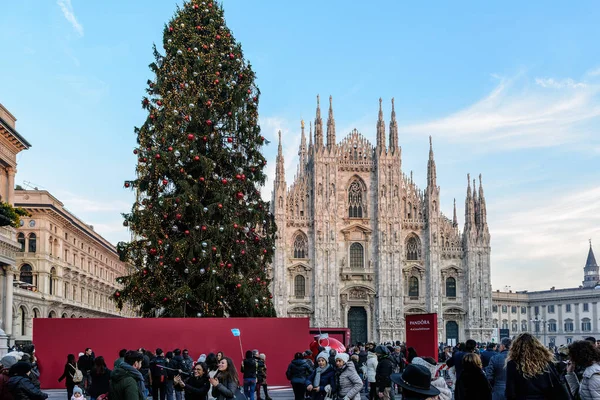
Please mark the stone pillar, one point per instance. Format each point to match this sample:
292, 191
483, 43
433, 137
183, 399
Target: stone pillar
595, 317
11, 185
577, 323
3, 184
8, 299
560, 323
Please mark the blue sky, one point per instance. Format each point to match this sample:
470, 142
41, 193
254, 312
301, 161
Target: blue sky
509, 90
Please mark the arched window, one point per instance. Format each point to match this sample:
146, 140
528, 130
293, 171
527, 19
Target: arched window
355, 200
52, 314
23, 321
450, 287
300, 246
357, 256
413, 286
523, 325
514, 326
52, 279
21, 240
64, 315
299, 286
26, 274
32, 243
413, 248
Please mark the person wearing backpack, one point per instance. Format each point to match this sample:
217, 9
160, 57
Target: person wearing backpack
158, 376
71, 374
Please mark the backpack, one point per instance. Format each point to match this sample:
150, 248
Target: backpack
78, 375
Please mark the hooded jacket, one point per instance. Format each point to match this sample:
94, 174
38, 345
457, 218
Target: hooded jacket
589, 387
385, 369
371, 367
297, 371
125, 383
22, 388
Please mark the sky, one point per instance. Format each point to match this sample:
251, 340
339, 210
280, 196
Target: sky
509, 90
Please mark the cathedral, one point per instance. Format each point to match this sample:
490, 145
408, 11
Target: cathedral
360, 245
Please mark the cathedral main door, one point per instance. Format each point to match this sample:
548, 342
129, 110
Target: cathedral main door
451, 331
357, 322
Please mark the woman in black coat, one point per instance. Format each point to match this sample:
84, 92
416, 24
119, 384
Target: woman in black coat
68, 373
100, 378
197, 386
472, 383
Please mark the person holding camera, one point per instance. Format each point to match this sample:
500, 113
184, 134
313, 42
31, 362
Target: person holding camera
196, 387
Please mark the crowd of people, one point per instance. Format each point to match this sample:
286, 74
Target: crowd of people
517, 369
138, 374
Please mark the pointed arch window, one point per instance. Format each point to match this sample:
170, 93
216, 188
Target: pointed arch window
413, 248
32, 243
451, 287
21, 240
413, 286
355, 200
52, 280
26, 274
300, 286
300, 246
357, 256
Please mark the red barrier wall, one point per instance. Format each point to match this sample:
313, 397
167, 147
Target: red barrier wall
422, 334
278, 338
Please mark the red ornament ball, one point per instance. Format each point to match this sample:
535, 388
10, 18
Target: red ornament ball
201, 179
170, 148
208, 122
153, 251
187, 232
127, 184
118, 294
239, 285
135, 151
177, 259
239, 195
178, 216
229, 140
190, 136
231, 56
224, 181
220, 205
157, 156
196, 158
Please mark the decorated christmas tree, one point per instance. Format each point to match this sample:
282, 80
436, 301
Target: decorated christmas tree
202, 236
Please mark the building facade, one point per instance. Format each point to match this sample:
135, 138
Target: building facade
555, 316
64, 268
359, 245
11, 143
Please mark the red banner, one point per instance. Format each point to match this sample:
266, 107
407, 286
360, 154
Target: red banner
278, 338
422, 334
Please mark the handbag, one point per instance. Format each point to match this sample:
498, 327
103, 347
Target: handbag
239, 394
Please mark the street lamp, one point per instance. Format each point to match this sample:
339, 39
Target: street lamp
537, 320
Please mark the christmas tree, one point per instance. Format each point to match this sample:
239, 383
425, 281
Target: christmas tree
203, 237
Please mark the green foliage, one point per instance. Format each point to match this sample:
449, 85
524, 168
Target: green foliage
204, 237
10, 215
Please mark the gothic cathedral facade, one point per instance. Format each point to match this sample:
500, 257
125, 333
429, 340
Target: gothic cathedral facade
359, 245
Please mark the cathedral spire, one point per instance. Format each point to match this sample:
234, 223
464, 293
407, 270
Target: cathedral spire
318, 127
380, 131
279, 169
454, 218
591, 271
330, 126
393, 131
482, 208
302, 150
469, 207
431, 171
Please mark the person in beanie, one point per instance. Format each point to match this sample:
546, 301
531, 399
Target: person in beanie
126, 381
385, 368
347, 382
19, 384
77, 393
415, 382
5, 363
322, 380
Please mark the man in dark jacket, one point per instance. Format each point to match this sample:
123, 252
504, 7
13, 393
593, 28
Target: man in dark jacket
457, 356
20, 386
85, 365
496, 370
177, 363
487, 355
158, 376
385, 369
126, 381
188, 363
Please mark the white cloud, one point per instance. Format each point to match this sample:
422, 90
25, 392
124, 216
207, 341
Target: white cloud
85, 205
67, 10
518, 115
559, 84
542, 237
594, 72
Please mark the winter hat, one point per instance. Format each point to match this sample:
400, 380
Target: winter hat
8, 361
20, 369
324, 356
342, 356
202, 358
419, 361
77, 389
